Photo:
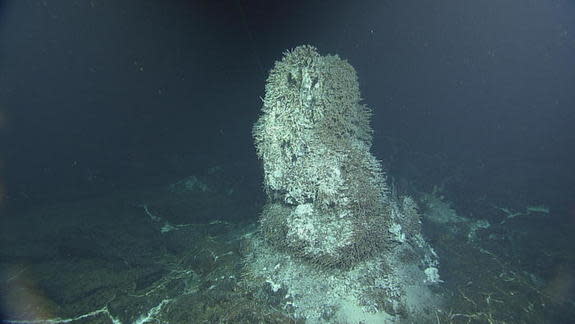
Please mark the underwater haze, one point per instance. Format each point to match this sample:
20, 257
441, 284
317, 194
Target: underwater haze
253, 161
